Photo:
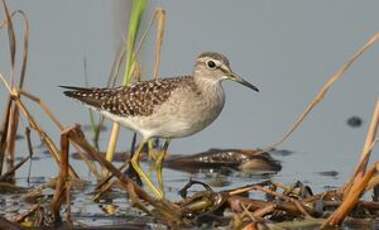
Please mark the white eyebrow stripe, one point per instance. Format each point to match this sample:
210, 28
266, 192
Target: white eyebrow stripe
205, 59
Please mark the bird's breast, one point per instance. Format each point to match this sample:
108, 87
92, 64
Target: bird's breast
186, 113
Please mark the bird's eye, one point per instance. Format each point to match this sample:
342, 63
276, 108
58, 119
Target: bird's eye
211, 64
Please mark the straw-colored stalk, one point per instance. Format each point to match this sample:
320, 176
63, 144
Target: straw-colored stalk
13, 117
160, 18
323, 91
134, 24
361, 178
53, 150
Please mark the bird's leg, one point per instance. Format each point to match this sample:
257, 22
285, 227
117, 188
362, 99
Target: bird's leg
135, 163
159, 165
152, 155
150, 146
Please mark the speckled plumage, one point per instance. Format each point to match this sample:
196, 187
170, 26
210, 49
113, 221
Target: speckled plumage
166, 108
139, 99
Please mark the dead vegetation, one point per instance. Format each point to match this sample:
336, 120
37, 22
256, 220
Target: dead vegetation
278, 206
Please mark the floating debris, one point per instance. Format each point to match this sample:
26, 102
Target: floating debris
216, 159
331, 173
281, 152
354, 122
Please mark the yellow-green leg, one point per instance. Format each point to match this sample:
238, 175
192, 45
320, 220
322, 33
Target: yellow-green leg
135, 163
159, 166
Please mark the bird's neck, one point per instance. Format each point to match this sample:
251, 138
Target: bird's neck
209, 87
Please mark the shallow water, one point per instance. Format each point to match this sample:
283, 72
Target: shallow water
288, 49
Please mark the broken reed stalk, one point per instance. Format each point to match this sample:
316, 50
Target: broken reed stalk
10, 173
298, 204
323, 91
352, 199
15, 96
76, 136
14, 113
30, 150
45, 108
3, 140
361, 178
135, 192
11, 117
366, 151
53, 150
11, 138
61, 186
370, 140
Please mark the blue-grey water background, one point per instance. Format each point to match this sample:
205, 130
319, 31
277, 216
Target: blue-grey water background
287, 48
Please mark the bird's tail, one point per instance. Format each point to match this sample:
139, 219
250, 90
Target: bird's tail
89, 96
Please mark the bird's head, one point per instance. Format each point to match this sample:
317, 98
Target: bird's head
215, 67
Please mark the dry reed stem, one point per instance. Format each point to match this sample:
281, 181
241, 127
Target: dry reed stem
370, 140
3, 140
105, 185
160, 15
53, 150
30, 150
13, 118
45, 108
11, 137
21, 218
340, 72
26, 43
360, 180
12, 170
61, 186
299, 205
112, 142
249, 214
14, 113
352, 198
366, 151
77, 137
25, 49
135, 192
11, 38
265, 210
68, 215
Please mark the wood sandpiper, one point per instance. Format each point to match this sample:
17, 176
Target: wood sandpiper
165, 108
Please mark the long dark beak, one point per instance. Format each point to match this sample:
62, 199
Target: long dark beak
236, 78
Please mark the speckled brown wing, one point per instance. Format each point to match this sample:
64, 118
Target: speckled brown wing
139, 99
